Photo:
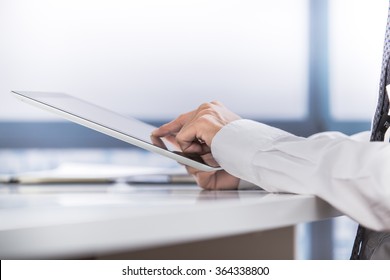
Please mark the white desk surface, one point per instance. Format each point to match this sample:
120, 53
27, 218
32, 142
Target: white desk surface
75, 221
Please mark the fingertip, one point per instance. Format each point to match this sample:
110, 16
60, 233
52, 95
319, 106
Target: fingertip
191, 148
159, 132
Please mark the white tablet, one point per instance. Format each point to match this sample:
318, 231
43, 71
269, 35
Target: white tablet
108, 122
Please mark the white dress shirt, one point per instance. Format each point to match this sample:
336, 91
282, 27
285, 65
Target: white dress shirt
350, 174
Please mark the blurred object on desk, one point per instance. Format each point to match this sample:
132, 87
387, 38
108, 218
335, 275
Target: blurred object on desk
14, 161
100, 173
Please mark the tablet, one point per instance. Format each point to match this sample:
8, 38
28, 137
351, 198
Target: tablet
124, 128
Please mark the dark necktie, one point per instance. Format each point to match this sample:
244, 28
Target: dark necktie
380, 124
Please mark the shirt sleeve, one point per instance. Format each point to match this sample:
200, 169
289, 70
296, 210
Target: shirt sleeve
350, 174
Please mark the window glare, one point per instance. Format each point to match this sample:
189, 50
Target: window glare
155, 59
356, 36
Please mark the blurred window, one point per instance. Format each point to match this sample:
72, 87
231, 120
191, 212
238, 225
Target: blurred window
155, 59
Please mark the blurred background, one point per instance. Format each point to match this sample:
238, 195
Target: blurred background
301, 65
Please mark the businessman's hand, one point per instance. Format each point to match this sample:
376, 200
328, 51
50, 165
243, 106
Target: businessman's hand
193, 132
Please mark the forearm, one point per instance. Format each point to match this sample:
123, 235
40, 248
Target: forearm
348, 174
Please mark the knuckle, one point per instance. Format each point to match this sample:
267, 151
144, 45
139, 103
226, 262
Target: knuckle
208, 111
179, 137
204, 118
205, 106
181, 117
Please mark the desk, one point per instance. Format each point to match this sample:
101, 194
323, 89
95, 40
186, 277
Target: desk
150, 221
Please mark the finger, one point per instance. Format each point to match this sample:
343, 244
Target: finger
196, 148
215, 180
194, 136
188, 140
173, 126
200, 149
203, 179
210, 160
172, 140
157, 141
207, 159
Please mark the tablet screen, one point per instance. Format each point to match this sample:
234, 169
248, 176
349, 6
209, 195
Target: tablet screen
99, 115
105, 118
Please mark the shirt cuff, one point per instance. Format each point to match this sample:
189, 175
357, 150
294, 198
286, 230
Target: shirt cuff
236, 144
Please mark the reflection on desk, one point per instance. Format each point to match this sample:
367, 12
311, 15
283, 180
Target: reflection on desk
141, 221
77, 221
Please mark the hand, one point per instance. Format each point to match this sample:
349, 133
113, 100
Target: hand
193, 132
214, 180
